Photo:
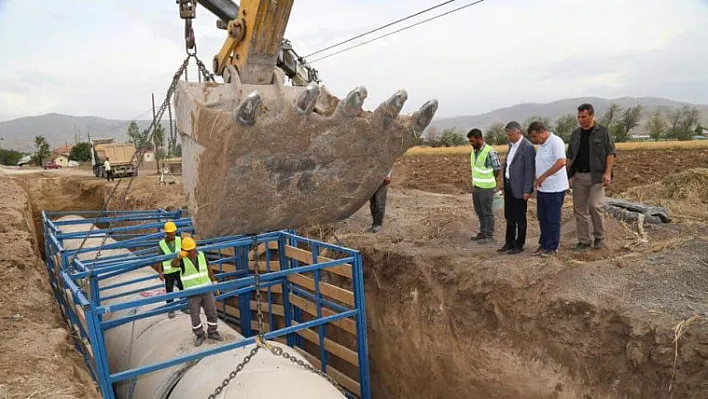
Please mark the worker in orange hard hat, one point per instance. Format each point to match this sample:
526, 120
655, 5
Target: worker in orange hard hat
170, 245
195, 272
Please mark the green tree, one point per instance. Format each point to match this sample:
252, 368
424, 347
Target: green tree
682, 122
629, 120
699, 130
610, 115
452, 138
495, 134
158, 139
545, 120
81, 152
10, 157
674, 116
137, 137
656, 125
565, 126
42, 150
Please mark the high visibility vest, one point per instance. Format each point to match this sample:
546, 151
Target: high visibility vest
482, 176
167, 265
193, 277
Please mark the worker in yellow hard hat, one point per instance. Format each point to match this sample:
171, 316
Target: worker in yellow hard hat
170, 245
195, 272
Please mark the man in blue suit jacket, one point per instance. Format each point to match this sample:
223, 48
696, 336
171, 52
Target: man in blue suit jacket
518, 176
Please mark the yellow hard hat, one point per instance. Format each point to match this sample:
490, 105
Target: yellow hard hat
188, 244
170, 227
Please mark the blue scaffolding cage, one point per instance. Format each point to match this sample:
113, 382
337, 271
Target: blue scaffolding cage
313, 292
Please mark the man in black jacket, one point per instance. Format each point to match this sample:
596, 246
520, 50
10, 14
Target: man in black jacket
518, 178
591, 156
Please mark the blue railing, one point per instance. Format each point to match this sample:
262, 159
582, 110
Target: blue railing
307, 304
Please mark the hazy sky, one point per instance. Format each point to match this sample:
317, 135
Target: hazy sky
105, 57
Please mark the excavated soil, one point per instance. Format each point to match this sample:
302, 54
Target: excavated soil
37, 358
451, 318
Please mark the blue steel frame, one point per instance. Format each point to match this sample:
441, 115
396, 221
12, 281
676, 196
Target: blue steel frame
67, 272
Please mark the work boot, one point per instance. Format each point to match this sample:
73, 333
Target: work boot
478, 237
215, 336
515, 250
580, 246
171, 315
375, 229
598, 243
505, 248
485, 240
199, 340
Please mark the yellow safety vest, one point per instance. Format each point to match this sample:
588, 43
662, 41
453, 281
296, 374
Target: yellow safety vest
482, 176
167, 265
193, 277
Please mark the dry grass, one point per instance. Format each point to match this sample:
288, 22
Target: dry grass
684, 194
633, 146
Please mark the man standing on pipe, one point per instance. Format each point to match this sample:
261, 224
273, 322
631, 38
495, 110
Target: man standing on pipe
195, 273
170, 245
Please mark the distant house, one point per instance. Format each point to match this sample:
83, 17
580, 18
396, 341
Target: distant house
63, 150
59, 159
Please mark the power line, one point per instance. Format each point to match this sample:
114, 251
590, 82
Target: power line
382, 27
397, 31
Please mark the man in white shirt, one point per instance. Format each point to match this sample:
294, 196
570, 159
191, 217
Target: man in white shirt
551, 185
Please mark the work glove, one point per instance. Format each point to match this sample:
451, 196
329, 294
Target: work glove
182, 254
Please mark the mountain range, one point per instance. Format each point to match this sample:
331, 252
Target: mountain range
556, 109
61, 129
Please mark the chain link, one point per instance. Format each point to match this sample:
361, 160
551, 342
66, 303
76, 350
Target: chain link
235, 372
260, 340
278, 351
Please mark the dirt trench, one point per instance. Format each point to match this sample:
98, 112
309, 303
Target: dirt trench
37, 355
439, 329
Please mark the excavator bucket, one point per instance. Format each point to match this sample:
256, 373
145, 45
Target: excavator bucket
259, 158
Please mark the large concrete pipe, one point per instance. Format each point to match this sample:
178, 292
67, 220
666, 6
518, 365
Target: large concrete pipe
156, 339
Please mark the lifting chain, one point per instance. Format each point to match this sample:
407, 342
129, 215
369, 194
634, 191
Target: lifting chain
260, 340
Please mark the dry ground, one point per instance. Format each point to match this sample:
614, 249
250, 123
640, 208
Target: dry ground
450, 318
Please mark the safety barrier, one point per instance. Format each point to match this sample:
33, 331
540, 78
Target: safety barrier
312, 294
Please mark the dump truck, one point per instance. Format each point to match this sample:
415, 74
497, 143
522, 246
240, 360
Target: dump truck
259, 155
120, 156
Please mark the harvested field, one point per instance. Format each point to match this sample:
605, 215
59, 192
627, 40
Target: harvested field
451, 318
449, 174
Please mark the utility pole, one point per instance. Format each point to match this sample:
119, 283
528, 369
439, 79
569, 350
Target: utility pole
157, 161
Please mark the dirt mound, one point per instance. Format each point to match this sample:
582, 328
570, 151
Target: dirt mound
36, 356
684, 194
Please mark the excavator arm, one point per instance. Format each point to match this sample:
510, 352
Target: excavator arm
254, 42
258, 155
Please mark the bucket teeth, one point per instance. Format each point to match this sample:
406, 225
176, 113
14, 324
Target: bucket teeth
387, 112
424, 115
245, 113
307, 100
352, 103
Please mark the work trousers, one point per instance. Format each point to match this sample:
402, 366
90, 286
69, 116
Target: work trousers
171, 280
483, 199
515, 215
548, 209
207, 301
377, 205
588, 198
109, 175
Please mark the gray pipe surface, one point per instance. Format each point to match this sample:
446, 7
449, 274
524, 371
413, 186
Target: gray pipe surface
158, 338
